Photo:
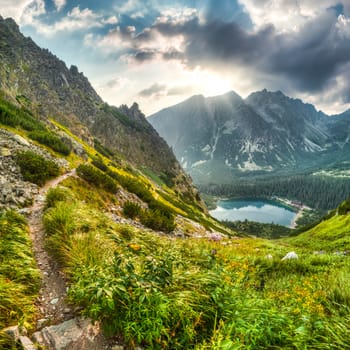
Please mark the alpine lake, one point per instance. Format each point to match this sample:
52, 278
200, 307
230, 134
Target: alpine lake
259, 210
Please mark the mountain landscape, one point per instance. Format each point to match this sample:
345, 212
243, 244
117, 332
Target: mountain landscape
105, 243
220, 138
42, 83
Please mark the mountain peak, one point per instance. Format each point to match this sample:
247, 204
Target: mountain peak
10, 23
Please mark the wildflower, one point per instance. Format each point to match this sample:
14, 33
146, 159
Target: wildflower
134, 246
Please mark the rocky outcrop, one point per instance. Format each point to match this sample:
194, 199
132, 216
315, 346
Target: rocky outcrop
74, 334
14, 191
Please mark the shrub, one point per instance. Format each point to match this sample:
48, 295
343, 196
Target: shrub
98, 163
51, 140
158, 220
36, 168
134, 186
54, 195
102, 149
18, 117
97, 177
131, 209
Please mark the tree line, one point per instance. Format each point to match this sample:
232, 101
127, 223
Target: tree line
318, 192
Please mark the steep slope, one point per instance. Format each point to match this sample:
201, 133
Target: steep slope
217, 137
331, 235
42, 83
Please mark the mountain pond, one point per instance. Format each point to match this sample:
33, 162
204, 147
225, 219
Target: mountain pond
259, 210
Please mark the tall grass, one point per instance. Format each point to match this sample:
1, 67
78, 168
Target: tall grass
19, 276
164, 293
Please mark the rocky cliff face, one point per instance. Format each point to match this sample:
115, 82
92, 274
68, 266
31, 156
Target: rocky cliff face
38, 80
218, 137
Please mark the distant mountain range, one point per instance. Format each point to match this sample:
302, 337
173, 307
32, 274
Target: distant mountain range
218, 138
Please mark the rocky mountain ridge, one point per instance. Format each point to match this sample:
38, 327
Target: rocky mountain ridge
35, 79
219, 137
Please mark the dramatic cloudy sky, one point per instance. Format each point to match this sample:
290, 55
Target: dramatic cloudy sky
159, 52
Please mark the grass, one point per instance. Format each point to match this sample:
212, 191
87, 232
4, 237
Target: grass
330, 235
166, 293
19, 276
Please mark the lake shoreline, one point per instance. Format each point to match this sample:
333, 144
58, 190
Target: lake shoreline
274, 213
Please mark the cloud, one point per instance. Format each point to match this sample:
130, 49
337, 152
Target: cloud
308, 57
14, 9
300, 47
155, 89
60, 4
32, 10
180, 90
287, 15
76, 19
315, 54
115, 83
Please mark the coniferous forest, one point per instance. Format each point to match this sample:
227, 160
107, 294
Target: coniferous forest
318, 192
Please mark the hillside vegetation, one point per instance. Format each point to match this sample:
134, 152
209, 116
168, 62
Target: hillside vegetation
207, 292
218, 293
132, 237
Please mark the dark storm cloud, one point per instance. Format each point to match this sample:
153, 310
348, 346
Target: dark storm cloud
312, 57
308, 58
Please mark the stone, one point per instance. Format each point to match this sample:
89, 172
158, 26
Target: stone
22, 141
38, 338
26, 343
118, 347
13, 332
40, 323
74, 334
54, 301
5, 152
290, 256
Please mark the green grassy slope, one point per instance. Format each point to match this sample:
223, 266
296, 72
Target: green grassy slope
330, 235
166, 293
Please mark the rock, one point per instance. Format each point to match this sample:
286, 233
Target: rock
5, 152
14, 191
40, 323
22, 141
13, 332
118, 347
38, 338
27, 344
74, 334
54, 301
290, 256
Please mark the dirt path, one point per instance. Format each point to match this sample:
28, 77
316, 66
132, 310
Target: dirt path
51, 301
